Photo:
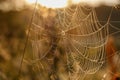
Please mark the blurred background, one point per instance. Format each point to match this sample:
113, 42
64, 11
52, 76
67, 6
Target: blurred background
14, 22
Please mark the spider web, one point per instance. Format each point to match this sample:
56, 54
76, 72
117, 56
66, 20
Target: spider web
77, 29
87, 38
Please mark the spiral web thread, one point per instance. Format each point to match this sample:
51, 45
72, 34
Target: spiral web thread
79, 31
87, 38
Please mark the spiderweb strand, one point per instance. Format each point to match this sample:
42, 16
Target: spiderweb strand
19, 73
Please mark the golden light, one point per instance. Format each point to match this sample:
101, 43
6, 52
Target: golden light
50, 3
97, 2
64, 3
89, 2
